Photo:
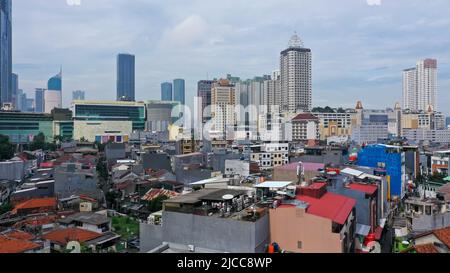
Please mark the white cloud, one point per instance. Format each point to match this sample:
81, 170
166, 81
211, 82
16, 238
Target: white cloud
191, 30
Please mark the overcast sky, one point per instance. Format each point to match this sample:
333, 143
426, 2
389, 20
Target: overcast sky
359, 49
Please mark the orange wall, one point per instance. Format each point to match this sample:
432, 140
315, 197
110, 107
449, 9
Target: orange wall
287, 227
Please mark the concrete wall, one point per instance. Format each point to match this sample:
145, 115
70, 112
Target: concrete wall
68, 183
430, 222
89, 129
12, 170
291, 175
207, 232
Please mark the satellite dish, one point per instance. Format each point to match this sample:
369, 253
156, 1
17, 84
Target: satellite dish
374, 247
74, 246
227, 197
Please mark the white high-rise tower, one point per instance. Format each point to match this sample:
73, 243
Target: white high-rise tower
427, 84
296, 77
420, 86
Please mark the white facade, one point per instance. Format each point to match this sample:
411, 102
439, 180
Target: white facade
272, 92
420, 86
270, 155
369, 133
439, 136
409, 89
296, 77
237, 167
90, 129
223, 106
52, 100
427, 84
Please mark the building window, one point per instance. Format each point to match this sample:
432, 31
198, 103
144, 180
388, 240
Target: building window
299, 244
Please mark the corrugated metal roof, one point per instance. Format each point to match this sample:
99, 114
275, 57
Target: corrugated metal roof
274, 184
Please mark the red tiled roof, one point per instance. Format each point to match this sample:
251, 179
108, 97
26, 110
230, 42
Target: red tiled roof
443, 234
154, 193
368, 189
35, 204
123, 185
87, 198
426, 248
19, 235
49, 164
36, 221
11, 245
63, 236
331, 206
305, 116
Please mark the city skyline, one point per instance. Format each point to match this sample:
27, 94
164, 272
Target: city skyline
180, 45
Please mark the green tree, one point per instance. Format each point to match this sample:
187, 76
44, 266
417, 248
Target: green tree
102, 170
39, 143
156, 203
100, 146
6, 148
5, 208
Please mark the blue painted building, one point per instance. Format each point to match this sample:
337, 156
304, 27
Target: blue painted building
388, 160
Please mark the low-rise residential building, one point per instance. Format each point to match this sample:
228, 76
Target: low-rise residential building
93, 221
293, 171
305, 127
217, 219
315, 221
35, 206
72, 178
424, 214
440, 162
237, 167
270, 155
434, 241
62, 240
390, 162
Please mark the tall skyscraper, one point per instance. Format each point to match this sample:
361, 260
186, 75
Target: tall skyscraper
125, 77
427, 84
29, 105
166, 91
409, 89
204, 92
179, 91
420, 86
21, 100
39, 100
223, 105
5, 52
78, 95
272, 91
53, 94
14, 88
296, 77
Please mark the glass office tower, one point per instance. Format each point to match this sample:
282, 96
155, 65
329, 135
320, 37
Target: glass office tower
179, 91
5, 52
125, 77
166, 91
